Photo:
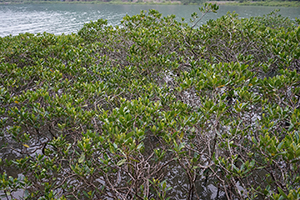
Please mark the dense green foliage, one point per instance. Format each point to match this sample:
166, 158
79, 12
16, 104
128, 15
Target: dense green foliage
152, 109
268, 3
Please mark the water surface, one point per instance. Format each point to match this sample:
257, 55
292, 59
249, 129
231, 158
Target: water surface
68, 18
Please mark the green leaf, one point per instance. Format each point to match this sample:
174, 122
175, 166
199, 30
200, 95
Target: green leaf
121, 162
140, 146
82, 158
282, 193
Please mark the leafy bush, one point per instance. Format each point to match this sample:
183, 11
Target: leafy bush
153, 109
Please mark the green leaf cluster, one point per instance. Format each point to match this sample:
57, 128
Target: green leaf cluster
134, 111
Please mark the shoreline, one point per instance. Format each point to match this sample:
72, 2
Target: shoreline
267, 3
164, 2
258, 3
96, 2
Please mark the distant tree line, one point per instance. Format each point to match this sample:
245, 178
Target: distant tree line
185, 2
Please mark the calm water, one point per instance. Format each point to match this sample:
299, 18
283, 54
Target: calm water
67, 18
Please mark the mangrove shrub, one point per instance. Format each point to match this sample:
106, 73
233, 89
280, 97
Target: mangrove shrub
154, 108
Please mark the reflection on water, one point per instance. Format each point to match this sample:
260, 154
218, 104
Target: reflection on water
68, 18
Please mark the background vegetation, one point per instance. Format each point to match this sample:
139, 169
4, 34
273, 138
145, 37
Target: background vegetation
295, 3
282, 3
153, 109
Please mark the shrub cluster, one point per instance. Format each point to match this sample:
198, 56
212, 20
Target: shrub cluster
153, 109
